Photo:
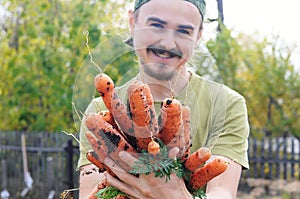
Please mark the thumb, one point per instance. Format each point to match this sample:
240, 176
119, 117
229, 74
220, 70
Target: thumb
173, 152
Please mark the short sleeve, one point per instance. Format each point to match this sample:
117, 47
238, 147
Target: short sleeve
228, 135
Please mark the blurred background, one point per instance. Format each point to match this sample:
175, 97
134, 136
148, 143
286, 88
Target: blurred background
251, 46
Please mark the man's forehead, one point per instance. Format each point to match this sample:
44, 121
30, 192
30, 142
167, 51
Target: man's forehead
200, 4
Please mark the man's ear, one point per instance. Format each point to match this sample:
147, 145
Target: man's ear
199, 35
131, 21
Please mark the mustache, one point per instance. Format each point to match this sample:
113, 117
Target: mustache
161, 50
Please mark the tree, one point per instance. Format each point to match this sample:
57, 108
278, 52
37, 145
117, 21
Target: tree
263, 72
42, 48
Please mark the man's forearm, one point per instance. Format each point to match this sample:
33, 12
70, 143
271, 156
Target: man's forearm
218, 193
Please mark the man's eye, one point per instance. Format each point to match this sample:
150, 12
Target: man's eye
183, 31
156, 25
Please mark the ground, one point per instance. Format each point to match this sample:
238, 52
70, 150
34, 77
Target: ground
270, 189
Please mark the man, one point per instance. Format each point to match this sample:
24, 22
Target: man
164, 35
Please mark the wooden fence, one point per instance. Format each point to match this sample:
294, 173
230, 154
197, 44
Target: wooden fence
52, 159
51, 162
274, 158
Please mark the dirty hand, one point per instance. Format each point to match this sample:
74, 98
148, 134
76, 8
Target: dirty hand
146, 186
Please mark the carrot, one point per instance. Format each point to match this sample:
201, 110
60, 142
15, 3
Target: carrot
98, 155
197, 159
92, 121
93, 158
210, 170
170, 122
153, 147
121, 115
108, 117
105, 86
109, 138
186, 119
142, 112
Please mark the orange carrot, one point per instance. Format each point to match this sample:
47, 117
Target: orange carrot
120, 113
92, 121
153, 147
108, 117
170, 122
93, 158
105, 87
98, 155
109, 138
197, 159
142, 112
210, 170
186, 119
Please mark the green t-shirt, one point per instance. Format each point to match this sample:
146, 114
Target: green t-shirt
219, 119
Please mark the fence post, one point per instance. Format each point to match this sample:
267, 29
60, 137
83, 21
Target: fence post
69, 164
278, 158
262, 158
255, 158
4, 194
270, 159
50, 177
292, 160
285, 158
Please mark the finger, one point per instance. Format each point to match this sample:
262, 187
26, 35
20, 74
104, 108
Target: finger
123, 175
112, 165
120, 185
127, 158
173, 152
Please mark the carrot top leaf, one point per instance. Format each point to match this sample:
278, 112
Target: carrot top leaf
108, 192
199, 194
161, 165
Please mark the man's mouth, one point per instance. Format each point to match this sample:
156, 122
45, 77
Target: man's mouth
164, 54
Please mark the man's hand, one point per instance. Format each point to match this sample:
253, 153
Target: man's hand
146, 186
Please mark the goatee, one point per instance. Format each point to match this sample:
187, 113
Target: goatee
162, 73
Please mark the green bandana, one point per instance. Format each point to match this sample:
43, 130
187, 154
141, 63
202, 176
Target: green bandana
200, 4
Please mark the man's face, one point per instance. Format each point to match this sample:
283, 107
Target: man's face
165, 33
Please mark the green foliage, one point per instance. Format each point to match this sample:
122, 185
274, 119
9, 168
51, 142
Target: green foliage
161, 165
109, 193
42, 49
263, 73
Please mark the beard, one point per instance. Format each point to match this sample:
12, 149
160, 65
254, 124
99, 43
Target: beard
159, 71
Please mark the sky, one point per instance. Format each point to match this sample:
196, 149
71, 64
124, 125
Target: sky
263, 18
266, 16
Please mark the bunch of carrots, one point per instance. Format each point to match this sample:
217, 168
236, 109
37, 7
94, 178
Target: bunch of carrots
134, 127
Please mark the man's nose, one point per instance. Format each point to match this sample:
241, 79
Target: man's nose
168, 40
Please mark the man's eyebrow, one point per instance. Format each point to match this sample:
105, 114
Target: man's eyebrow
155, 19
186, 27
